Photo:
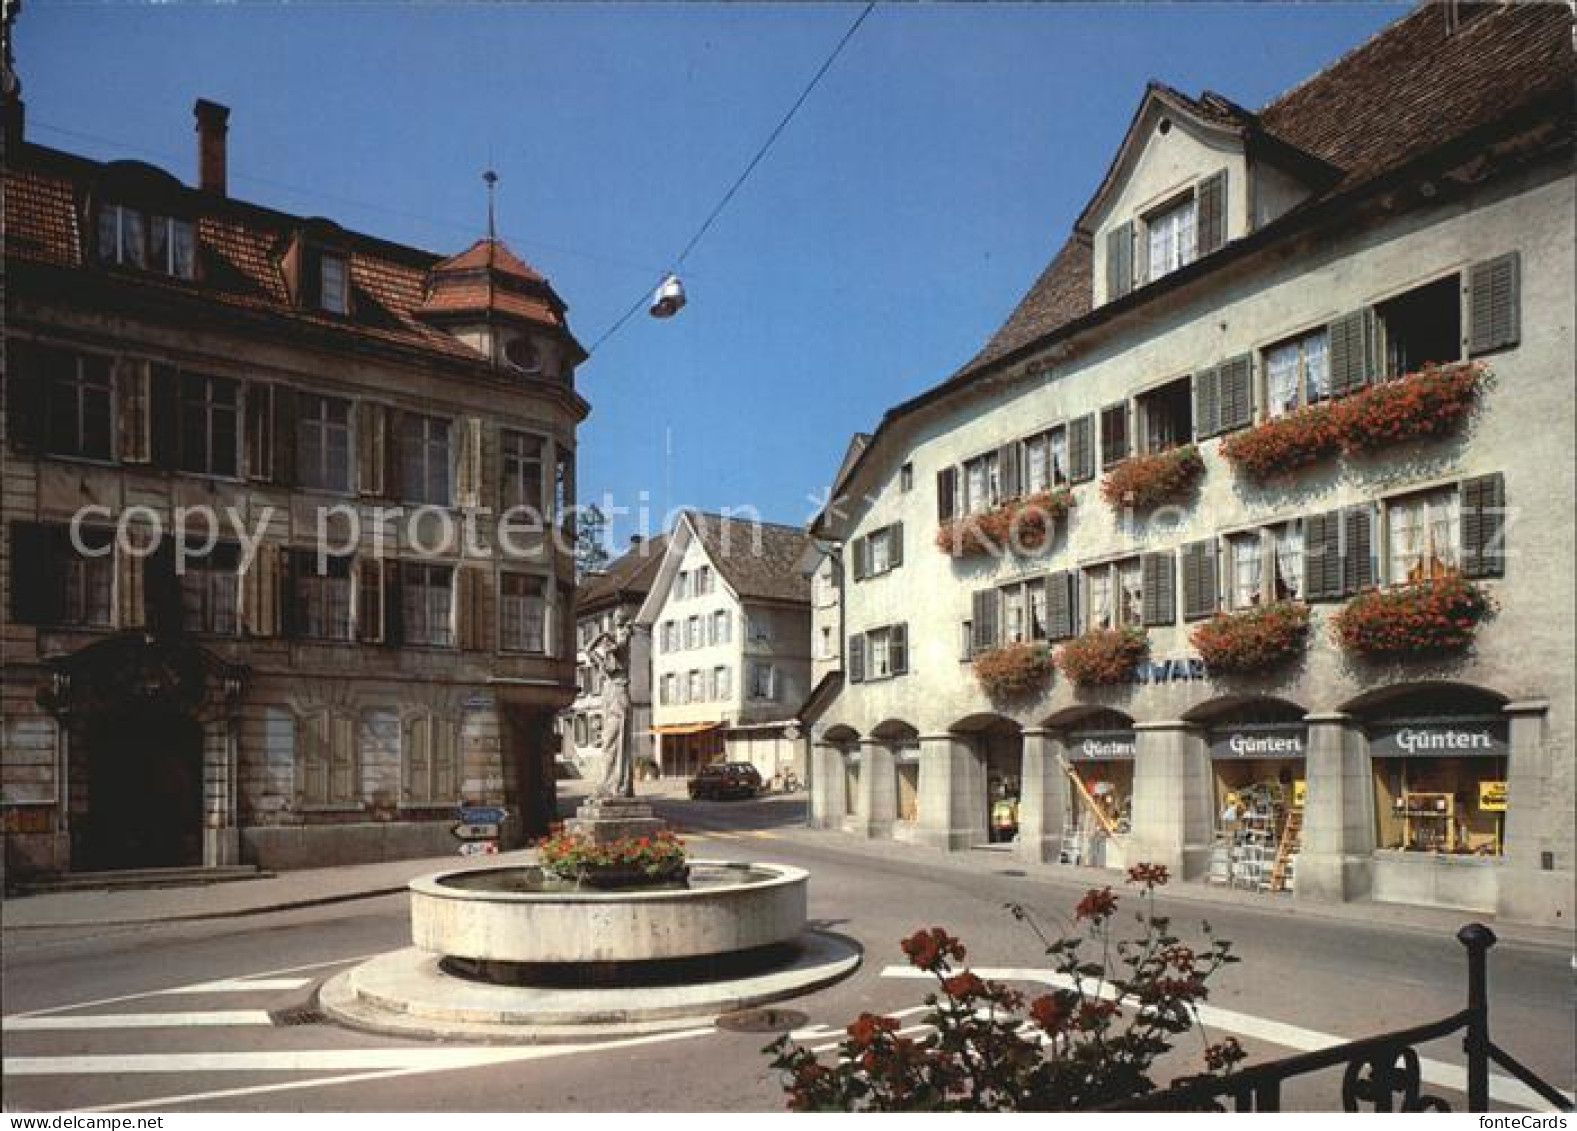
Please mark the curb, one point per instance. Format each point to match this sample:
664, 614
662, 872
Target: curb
197, 916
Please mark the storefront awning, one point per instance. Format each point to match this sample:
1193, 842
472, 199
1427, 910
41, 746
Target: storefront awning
685, 728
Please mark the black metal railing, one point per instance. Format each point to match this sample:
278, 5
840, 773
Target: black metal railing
1380, 1074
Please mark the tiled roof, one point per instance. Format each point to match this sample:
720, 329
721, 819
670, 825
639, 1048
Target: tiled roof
502, 260
240, 259
759, 560
1412, 88
628, 576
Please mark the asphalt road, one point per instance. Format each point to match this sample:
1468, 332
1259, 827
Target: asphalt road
207, 1016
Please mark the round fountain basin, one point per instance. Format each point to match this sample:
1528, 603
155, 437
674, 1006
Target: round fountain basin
515, 914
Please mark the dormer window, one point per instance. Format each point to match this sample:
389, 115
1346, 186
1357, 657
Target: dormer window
523, 354
131, 237
333, 283
1171, 234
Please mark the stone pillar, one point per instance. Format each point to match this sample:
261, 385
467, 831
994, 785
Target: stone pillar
1173, 799
221, 769
1535, 882
1043, 798
952, 793
1336, 859
877, 806
827, 802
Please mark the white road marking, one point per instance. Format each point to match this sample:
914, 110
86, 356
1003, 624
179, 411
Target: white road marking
242, 986
494, 1055
1436, 1072
821, 1032
139, 1020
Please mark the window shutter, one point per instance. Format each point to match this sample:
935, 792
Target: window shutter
857, 658
446, 760
985, 620
369, 600
1495, 304
165, 423
946, 483
468, 627
1357, 549
370, 442
1008, 470
414, 767
1199, 579
861, 558
259, 442
161, 590
284, 436
393, 428
290, 564
1483, 504
468, 466
1081, 449
1158, 577
895, 545
898, 649
27, 395
1321, 561
1059, 605
1207, 403
1114, 434
130, 600
393, 610
342, 751
1211, 212
1236, 390
37, 579
1119, 260
131, 388
1351, 351
313, 751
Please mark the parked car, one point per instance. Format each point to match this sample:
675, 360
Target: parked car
726, 779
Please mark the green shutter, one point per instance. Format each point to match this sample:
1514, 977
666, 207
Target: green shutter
1114, 434
1211, 209
1237, 392
1357, 549
1207, 402
985, 620
1352, 351
1081, 449
895, 545
1483, 503
1158, 580
1494, 304
1199, 579
1008, 470
898, 648
1321, 563
1119, 261
1059, 605
861, 549
946, 482
857, 658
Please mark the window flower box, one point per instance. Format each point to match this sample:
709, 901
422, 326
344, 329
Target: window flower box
1148, 481
1013, 670
1023, 524
1439, 614
1284, 443
1104, 656
626, 862
1252, 640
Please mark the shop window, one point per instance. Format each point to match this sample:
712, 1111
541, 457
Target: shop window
1297, 373
521, 468
523, 613
425, 458
210, 409
209, 587
80, 401
1423, 535
323, 447
1166, 416
427, 593
1422, 326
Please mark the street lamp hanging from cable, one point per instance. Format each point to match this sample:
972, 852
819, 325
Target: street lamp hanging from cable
669, 297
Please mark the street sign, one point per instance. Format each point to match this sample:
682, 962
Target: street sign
478, 831
479, 848
483, 814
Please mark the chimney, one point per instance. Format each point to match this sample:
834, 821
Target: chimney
213, 125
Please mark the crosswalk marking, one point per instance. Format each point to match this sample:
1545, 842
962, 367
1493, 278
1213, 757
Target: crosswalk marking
242, 986
217, 1017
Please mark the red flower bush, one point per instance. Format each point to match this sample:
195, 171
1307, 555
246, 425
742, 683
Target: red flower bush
1013, 670
1148, 481
1436, 615
1104, 656
1090, 1043
1253, 639
1284, 443
1023, 524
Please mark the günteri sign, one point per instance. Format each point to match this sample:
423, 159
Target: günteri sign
1486, 738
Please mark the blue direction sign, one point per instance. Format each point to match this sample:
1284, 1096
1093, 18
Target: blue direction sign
483, 814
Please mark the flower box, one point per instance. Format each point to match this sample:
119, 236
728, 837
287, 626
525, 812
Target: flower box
1014, 670
1440, 614
626, 862
1148, 481
1104, 656
1023, 524
1252, 640
1284, 443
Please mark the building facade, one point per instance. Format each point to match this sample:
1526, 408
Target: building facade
1310, 361
618, 590
729, 621
258, 604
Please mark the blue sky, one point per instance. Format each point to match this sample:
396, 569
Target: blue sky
914, 198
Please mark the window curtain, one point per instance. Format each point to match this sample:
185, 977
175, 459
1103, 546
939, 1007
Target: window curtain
1281, 378
1247, 575
1289, 562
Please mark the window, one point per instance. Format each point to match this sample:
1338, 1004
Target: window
692, 633
1297, 373
1014, 627
1114, 435
424, 458
1422, 326
523, 613
522, 471
879, 653
1166, 416
80, 401
333, 283
1035, 592
763, 681
523, 354
210, 409
666, 639
720, 626
1423, 533
1046, 460
695, 688
89, 581
323, 444
703, 581
879, 649
881, 556
1114, 594
1170, 235
721, 684
877, 553
758, 629
1246, 578
906, 478
123, 236
682, 586
427, 603
667, 688
982, 483
563, 485
824, 652
330, 772
322, 599
432, 761
208, 591
581, 730
596, 730
131, 238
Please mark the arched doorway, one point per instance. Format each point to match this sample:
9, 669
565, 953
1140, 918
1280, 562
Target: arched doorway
997, 744
142, 783
1100, 745
903, 741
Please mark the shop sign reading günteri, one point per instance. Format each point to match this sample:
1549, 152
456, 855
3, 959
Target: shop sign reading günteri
1283, 740
1468, 739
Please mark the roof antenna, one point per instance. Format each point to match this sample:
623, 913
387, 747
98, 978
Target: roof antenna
490, 179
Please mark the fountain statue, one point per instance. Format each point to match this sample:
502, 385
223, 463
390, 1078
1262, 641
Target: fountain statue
610, 655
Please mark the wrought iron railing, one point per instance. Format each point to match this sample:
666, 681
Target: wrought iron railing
1380, 1074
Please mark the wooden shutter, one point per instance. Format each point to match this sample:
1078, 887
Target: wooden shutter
857, 658
26, 395
1352, 350
986, 604
1081, 449
259, 431
1236, 390
469, 582
1158, 579
343, 783
860, 551
371, 441
313, 753
393, 608
130, 597
1119, 260
446, 760
895, 545
291, 563
1322, 570
37, 579
1060, 604
1199, 579
1211, 212
284, 436
1008, 476
259, 592
164, 397
898, 649
136, 426
393, 437
468, 465
1207, 403
1495, 304
1483, 520
415, 763
369, 600
1357, 549
1114, 434
946, 486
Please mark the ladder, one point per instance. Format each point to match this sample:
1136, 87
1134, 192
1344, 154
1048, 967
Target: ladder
1281, 872
1090, 803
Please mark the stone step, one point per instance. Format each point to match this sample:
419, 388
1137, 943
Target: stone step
144, 878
